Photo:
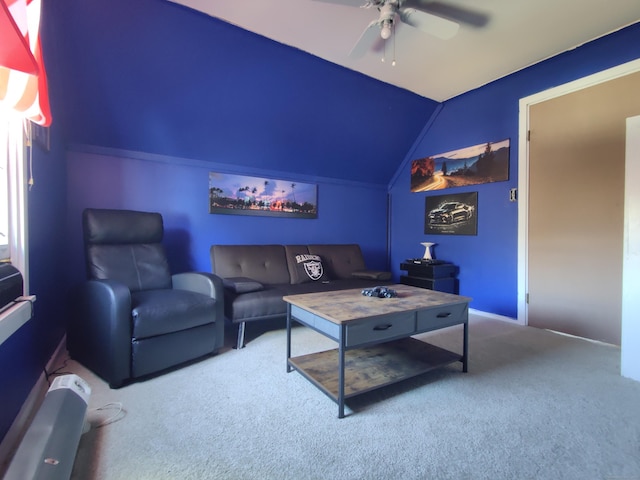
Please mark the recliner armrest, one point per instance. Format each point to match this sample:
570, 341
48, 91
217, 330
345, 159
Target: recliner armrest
99, 333
201, 282
210, 285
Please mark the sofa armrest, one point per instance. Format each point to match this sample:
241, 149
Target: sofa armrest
99, 332
371, 275
242, 284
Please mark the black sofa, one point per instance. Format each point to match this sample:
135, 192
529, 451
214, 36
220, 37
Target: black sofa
256, 277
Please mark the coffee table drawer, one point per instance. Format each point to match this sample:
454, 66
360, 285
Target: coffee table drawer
435, 318
381, 329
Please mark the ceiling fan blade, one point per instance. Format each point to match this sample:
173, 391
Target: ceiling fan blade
431, 24
366, 40
465, 15
350, 3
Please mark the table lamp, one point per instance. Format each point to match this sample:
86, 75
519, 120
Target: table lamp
427, 250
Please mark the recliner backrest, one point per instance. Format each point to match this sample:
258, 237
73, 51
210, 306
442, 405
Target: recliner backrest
125, 245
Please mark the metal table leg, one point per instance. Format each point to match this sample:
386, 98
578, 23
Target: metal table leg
341, 371
289, 369
465, 348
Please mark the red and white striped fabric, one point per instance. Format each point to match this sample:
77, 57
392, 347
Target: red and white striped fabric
23, 80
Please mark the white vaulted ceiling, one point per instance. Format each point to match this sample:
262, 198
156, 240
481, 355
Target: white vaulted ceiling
513, 35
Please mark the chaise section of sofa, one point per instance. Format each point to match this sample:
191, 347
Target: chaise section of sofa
256, 277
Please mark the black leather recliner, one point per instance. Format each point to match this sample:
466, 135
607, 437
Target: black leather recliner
132, 317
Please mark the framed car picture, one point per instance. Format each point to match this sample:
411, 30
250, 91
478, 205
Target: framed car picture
455, 214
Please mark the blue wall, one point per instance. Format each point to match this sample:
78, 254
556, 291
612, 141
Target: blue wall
193, 94
348, 212
148, 97
488, 261
152, 76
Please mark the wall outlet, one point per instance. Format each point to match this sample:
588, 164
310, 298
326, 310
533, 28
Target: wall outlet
513, 195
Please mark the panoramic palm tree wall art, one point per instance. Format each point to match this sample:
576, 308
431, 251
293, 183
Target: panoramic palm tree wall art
243, 195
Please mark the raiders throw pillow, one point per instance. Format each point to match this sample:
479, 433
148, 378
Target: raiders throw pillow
310, 269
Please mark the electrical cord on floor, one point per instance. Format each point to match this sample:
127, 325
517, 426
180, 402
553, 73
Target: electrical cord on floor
56, 372
113, 418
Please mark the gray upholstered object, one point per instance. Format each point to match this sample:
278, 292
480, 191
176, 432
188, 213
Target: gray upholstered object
372, 275
132, 317
277, 269
242, 284
126, 246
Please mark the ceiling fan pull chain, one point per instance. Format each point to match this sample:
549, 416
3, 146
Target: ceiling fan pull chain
393, 62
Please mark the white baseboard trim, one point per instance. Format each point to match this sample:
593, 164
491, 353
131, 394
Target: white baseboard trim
18, 428
494, 316
502, 318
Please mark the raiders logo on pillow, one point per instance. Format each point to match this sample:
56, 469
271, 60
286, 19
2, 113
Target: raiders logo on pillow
310, 269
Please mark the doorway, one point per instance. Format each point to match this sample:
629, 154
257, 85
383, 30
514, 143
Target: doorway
572, 204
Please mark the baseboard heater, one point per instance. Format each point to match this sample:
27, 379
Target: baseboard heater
49, 446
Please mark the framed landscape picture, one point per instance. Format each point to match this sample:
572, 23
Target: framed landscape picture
243, 195
483, 163
455, 214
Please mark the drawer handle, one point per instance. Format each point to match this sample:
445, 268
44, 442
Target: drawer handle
383, 327
444, 314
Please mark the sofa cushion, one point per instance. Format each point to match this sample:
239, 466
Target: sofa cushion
371, 275
309, 268
258, 305
340, 261
157, 312
331, 285
303, 266
292, 252
266, 264
268, 303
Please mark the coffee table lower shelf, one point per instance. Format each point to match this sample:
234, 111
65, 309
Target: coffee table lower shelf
369, 368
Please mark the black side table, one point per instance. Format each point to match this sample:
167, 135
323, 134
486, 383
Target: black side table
437, 276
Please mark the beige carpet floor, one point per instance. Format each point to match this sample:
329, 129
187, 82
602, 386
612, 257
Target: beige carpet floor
534, 405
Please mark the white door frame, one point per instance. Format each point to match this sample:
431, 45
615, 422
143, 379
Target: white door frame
523, 165
630, 331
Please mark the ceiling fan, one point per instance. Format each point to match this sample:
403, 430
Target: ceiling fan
415, 13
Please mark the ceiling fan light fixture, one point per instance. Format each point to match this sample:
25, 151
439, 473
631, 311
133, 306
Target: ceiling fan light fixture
391, 11
385, 31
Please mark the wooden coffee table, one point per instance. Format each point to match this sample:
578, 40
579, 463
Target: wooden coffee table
374, 336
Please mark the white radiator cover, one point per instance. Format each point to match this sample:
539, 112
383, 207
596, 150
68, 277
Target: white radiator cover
49, 446
12, 317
